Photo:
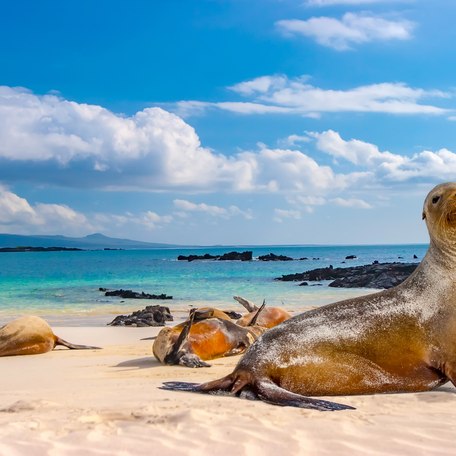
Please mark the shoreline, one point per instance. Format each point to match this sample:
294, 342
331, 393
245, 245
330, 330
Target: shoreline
109, 402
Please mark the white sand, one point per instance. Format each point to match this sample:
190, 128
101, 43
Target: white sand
107, 402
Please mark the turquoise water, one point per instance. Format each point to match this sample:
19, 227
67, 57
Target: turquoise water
63, 286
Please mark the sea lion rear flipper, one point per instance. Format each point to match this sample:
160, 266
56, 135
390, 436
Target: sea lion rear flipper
180, 386
255, 317
59, 341
272, 394
249, 306
264, 390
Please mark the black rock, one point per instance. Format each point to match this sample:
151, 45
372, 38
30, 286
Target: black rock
303, 284
150, 316
274, 257
239, 256
415, 257
206, 256
351, 257
376, 275
129, 294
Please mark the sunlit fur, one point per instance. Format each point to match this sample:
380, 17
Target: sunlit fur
397, 340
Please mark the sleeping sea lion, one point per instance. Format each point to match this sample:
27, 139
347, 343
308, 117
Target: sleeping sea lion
31, 336
268, 318
207, 334
398, 340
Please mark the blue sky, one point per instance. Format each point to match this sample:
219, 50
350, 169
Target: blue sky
226, 121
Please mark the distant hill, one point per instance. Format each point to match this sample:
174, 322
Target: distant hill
91, 242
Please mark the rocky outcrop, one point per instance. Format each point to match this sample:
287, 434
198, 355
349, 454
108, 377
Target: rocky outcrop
150, 316
230, 256
129, 294
274, 257
237, 256
375, 275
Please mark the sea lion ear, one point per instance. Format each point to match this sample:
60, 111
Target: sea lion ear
423, 216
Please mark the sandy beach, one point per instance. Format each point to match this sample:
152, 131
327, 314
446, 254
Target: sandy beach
108, 402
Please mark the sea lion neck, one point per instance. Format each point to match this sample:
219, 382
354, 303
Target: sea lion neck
442, 255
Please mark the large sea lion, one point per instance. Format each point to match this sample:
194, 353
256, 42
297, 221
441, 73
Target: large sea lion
398, 340
31, 335
207, 334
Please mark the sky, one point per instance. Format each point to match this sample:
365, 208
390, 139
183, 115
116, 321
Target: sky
226, 121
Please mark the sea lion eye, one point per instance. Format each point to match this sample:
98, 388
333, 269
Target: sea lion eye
435, 200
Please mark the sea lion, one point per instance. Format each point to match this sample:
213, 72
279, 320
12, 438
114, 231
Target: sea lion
398, 340
207, 334
268, 318
31, 335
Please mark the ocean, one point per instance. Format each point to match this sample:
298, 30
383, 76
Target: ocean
63, 287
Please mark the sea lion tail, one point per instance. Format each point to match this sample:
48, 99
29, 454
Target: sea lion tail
59, 341
243, 384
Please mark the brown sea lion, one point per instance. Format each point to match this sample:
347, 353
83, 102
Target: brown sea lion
31, 336
398, 340
207, 334
268, 318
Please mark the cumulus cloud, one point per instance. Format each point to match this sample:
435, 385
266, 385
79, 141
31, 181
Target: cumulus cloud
47, 139
387, 166
214, 211
279, 94
19, 216
88, 145
351, 29
355, 151
17, 213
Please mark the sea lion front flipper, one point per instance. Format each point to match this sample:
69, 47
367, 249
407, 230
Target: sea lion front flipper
175, 354
269, 392
59, 341
191, 360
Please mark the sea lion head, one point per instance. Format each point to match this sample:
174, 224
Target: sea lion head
439, 211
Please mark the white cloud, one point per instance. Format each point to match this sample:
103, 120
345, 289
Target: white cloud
280, 95
351, 202
355, 151
293, 140
280, 214
214, 211
351, 29
386, 166
18, 214
46, 137
50, 140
